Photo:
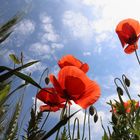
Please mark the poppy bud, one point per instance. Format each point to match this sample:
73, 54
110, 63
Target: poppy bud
95, 118
91, 110
127, 82
120, 91
47, 80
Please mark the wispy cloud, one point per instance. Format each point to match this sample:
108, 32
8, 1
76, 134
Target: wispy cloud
78, 25
25, 27
86, 53
50, 40
49, 33
40, 49
111, 12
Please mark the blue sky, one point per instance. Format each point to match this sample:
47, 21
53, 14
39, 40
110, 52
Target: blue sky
83, 28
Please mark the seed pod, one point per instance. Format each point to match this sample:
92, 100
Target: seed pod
91, 110
127, 82
47, 80
95, 118
120, 91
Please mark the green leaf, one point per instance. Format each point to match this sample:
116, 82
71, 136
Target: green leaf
4, 92
11, 93
6, 28
57, 126
12, 72
11, 130
5, 37
33, 131
14, 59
27, 79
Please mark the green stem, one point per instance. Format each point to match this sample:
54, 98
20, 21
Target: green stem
39, 84
89, 126
69, 123
137, 57
45, 120
78, 131
84, 124
124, 86
61, 116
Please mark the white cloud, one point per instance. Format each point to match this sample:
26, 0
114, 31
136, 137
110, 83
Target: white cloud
78, 24
46, 36
57, 46
49, 33
25, 27
40, 49
45, 19
111, 12
86, 53
50, 36
102, 37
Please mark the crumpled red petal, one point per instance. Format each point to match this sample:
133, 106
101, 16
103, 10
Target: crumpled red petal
70, 60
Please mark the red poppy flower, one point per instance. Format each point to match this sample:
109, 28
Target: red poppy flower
128, 32
73, 84
127, 106
52, 100
70, 60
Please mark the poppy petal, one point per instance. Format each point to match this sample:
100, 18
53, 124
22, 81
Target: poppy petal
79, 87
73, 80
56, 84
70, 60
49, 98
84, 67
128, 31
46, 108
90, 96
121, 37
130, 48
130, 23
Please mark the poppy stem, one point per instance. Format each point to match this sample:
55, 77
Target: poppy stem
89, 126
137, 57
45, 120
61, 117
46, 69
124, 86
78, 132
69, 123
84, 124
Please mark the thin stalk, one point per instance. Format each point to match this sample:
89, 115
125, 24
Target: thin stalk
78, 131
45, 120
137, 55
89, 126
84, 124
126, 89
61, 116
124, 86
39, 84
69, 123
